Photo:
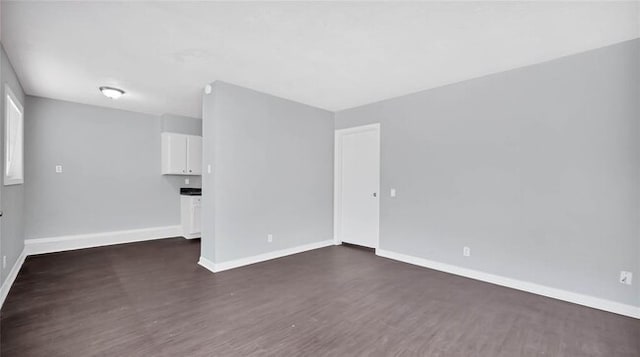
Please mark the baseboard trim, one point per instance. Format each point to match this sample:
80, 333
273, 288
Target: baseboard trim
576, 298
232, 264
207, 264
11, 278
92, 240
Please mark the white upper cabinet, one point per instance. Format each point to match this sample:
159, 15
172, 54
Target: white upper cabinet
181, 154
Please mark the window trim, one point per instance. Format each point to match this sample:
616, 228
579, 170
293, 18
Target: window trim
10, 96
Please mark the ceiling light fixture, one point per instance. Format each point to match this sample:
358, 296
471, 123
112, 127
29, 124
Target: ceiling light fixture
112, 93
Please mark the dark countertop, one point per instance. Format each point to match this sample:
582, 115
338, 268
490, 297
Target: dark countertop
190, 191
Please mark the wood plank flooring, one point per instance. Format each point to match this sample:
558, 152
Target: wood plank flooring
152, 299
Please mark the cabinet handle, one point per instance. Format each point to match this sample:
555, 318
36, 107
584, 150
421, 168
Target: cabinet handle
190, 171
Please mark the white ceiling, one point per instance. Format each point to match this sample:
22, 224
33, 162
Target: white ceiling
329, 55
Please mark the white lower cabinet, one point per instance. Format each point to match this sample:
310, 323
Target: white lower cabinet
190, 216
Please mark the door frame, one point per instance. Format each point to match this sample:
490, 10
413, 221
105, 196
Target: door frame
337, 178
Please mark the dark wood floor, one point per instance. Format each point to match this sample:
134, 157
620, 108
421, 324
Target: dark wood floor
151, 299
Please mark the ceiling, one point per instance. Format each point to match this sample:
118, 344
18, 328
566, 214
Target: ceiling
326, 54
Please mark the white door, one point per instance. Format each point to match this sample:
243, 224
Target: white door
194, 155
357, 185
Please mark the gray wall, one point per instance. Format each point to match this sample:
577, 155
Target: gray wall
180, 124
272, 173
536, 169
111, 179
11, 197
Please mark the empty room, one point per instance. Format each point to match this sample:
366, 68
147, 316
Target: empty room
348, 178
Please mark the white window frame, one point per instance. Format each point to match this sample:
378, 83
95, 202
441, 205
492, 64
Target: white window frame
8, 98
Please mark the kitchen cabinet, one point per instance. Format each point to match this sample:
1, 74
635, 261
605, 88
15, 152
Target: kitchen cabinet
190, 203
181, 154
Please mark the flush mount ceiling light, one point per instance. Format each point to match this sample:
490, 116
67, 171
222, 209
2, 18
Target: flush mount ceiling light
112, 93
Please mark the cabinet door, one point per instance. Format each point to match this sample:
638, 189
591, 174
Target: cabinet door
194, 155
195, 216
174, 154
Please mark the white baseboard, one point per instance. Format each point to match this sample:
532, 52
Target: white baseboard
13, 274
576, 298
218, 267
207, 264
80, 241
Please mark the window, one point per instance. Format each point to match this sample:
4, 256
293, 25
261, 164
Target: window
13, 139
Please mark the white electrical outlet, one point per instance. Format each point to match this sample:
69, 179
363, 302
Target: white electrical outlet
4, 261
186, 181
269, 238
393, 192
626, 277
466, 251
58, 169
209, 168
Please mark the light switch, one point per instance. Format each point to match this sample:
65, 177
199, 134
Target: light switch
186, 181
58, 169
393, 192
209, 168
